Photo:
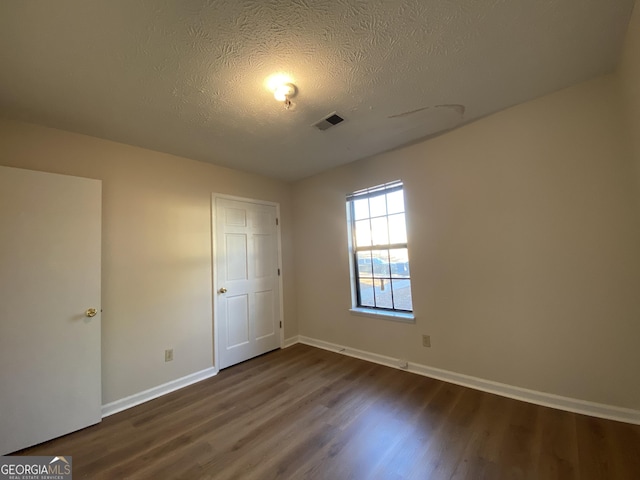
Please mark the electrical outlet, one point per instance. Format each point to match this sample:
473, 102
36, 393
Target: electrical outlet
168, 355
426, 340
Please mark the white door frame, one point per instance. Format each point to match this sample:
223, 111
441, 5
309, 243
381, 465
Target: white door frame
214, 197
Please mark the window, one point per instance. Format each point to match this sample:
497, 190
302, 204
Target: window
378, 243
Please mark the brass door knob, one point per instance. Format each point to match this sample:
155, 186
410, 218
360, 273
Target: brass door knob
91, 312
222, 290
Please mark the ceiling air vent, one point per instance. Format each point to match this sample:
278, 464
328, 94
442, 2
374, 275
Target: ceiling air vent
329, 121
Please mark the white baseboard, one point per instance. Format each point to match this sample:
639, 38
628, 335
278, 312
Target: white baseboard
291, 341
539, 398
155, 392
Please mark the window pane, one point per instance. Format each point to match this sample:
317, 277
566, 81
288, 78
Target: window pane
383, 293
402, 294
379, 231
361, 209
399, 262
366, 293
395, 202
363, 233
380, 262
378, 206
364, 265
397, 229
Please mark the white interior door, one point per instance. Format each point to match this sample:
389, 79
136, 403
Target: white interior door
50, 239
248, 288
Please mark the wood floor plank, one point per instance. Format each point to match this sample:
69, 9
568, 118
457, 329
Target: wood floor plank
624, 441
607, 449
593, 449
446, 450
481, 456
558, 452
307, 413
518, 450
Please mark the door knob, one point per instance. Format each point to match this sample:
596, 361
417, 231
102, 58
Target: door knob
222, 290
91, 312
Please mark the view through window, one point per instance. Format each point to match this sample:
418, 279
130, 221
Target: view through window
378, 242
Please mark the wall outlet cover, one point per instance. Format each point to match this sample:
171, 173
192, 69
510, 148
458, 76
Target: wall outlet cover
168, 355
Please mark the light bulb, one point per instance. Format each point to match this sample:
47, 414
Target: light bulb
283, 92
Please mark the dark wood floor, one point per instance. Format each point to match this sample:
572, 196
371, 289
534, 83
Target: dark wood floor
305, 413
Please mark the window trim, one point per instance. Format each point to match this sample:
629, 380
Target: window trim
395, 315
356, 303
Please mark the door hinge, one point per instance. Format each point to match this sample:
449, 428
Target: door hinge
277, 222
278, 272
280, 324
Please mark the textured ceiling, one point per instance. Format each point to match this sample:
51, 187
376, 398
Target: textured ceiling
187, 76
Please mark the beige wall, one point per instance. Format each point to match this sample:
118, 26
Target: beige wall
156, 256
524, 249
629, 73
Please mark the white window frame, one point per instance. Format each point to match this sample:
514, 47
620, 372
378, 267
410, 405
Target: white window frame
356, 309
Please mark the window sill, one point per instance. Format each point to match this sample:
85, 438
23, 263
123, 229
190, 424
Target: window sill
395, 316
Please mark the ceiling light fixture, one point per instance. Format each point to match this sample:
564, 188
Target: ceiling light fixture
282, 87
284, 93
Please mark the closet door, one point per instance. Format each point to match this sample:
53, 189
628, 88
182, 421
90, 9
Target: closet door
50, 372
